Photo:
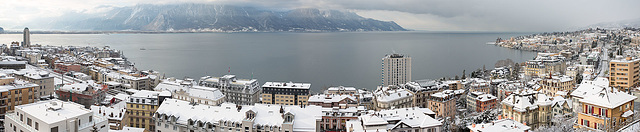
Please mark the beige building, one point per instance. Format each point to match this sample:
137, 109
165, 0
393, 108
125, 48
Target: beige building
396, 69
185, 90
393, 97
528, 107
444, 103
544, 64
623, 73
551, 85
140, 108
42, 78
283, 93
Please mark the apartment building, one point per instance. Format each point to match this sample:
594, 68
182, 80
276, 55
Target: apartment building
544, 64
554, 84
396, 69
237, 91
140, 109
54, 116
624, 73
187, 91
334, 100
173, 117
42, 78
397, 120
85, 93
444, 103
392, 97
283, 93
479, 101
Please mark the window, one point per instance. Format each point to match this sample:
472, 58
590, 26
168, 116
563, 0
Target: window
37, 126
54, 129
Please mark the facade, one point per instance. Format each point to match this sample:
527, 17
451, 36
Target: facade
54, 116
42, 78
128, 81
606, 110
396, 69
444, 103
113, 113
185, 90
334, 101
528, 107
85, 93
26, 38
421, 89
554, 84
412, 119
544, 64
561, 106
623, 73
283, 93
585, 89
479, 101
14, 93
335, 119
237, 91
172, 117
140, 108
392, 97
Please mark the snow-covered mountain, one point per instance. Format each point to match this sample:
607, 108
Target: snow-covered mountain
207, 17
635, 23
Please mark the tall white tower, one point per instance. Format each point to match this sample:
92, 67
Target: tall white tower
396, 69
26, 42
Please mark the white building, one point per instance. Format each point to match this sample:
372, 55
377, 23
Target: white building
185, 90
54, 116
181, 116
237, 91
392, 97
396, 69
502, 125
412, 119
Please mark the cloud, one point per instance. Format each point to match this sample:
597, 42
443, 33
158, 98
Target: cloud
440, 15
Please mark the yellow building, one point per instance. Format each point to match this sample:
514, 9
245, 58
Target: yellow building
528, 107
140, 108
623, 73
14, 93
550, 86
283, 93
607, 110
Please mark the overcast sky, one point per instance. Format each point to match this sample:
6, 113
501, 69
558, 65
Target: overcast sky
432, 15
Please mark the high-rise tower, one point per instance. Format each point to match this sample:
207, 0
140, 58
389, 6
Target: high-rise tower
396, 69
26, 42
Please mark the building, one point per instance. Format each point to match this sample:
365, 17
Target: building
396, 69
421, 89
26, 38
623, 73
554, 84
14, 93
283, 93
528, 107
237, 91
140, 108
561, 106
127, 81
544, 64
66, 67
585, 89
42, 78
113, 113
412, 119
173, 117
185, 90
392, 97
54, 116
444, 103
85, 93
501, 125
334, 119
12, 64
334, 101
608, 110
341, 90
479, 101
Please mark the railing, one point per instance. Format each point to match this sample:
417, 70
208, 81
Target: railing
13, 117
96, 120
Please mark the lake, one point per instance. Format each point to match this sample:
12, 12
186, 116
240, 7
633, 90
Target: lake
322, 59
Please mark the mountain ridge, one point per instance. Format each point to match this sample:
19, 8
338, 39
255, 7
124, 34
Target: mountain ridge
220, 18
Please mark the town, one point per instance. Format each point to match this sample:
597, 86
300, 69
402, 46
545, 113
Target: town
586, 80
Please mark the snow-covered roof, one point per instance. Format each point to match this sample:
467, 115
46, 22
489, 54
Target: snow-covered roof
286, 85
414, 117
266, 114
590, 87
522, 100
503, 125
608, 98
114, 112
486, 97
330, 98
387, 94
341, 88
52, 111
